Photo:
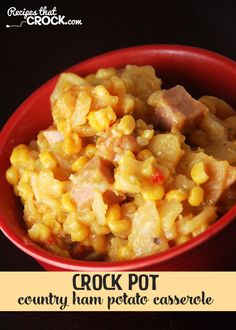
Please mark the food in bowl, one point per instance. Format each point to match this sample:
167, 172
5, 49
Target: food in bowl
126, 169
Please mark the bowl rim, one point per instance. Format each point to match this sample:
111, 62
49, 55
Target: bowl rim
49, 258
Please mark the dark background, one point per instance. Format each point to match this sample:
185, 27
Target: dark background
31, 55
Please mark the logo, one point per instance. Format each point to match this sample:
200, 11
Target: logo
40, 17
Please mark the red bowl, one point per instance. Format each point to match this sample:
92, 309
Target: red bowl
201, 72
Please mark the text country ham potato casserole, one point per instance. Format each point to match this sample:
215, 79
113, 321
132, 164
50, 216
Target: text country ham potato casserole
127, 169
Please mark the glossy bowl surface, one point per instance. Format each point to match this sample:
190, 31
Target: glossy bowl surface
201, 72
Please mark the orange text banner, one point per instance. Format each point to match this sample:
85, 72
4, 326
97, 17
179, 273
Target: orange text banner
129, 291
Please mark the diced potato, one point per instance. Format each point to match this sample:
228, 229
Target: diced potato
63, 108
217, 106
213, 128
127, 175
230, 127
182, 182
65, 81
120, 250
99, 207
146, 235
140, 81
222, 150
100, 244
207, 216
166, 148
168, 212
214, 187
102, 98
82, 108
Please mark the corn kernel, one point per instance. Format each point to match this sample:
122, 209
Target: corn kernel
42, 142
101, 91
105, 73
127, 124
39, 232
100, 229
148, 167
46, 178
129, 153
67, 203
12, 175
38, 165
26, 175
144, 154
154, 193
116, 86
78, 231
51, 203
134, 179
79, 164
80, 235
64, 127
72, 145
196, 196
200, 229
21, 157
102, 119
142, 141
128, 104
51, 223
209, 102
48, 160
120, 228
124, 253
171, 234
90, 150
176, 194
182, 239
148, 133
103, 97
99, 243
86, 217
71, 222
91, 79
24, 189
113, 213
198, 173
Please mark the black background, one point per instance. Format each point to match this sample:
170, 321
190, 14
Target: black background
31, 55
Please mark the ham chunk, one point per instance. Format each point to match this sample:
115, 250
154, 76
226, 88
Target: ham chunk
175, 108
97, 175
